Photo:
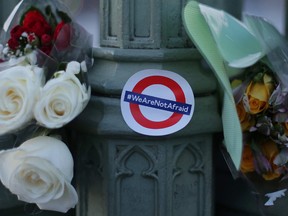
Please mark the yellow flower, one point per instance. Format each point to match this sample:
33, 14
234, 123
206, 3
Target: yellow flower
247, 163
258, 93
270, 176
270, 151
245, 118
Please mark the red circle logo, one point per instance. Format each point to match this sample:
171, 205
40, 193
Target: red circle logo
157, 102
152, 80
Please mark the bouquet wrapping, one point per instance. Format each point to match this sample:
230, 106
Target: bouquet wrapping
44, 60
250, 60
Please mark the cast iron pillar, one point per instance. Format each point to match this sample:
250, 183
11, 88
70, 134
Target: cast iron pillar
120, 172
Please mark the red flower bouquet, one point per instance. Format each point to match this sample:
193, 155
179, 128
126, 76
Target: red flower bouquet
37, 30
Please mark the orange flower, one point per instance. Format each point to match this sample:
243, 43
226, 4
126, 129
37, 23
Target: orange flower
247, 163
258, 93
245, 118
270, 176
270, 151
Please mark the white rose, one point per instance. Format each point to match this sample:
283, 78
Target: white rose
40, 171
19, 88
61, 100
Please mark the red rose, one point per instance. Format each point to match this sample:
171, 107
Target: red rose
36, 23
32, 16
46, 39
17, 31
38, 28
62, 35
32, 38
13, 43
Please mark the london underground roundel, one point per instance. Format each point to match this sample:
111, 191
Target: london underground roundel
157, 102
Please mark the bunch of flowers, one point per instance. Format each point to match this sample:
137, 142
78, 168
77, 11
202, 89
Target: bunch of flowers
252, 56
262, 110
26, 97
43, 83
261, 97
35, 31
262, 107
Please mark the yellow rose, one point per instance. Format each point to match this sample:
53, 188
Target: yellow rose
270, 151
247, 163
270, 176
245, 118
258, 94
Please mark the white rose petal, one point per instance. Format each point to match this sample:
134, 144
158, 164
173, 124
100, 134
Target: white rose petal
27, 60
65, 201
5, 50
61, 100
73, 67
32, 58
19, 88
13, 61
44, 147
84, 66
36, 181
40, 171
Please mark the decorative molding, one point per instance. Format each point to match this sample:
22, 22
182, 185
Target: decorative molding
136, 180
188, 181
137, 24
174, 32
119, 176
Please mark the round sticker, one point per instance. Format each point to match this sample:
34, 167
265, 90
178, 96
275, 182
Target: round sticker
157, 102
